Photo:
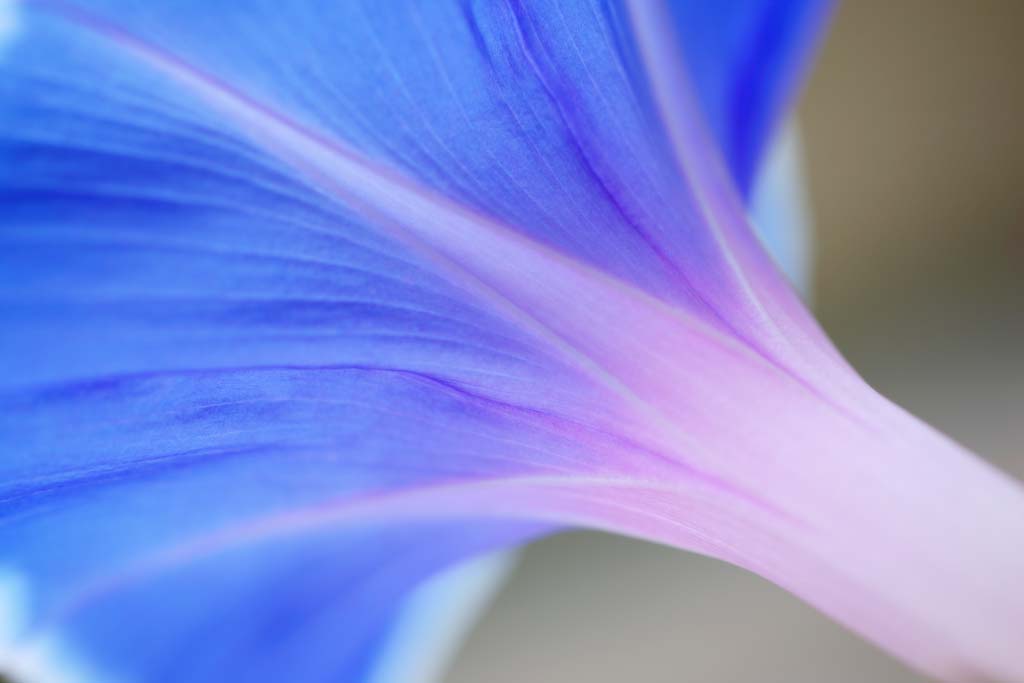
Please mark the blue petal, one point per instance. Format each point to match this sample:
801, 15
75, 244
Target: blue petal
196, 339
746, 58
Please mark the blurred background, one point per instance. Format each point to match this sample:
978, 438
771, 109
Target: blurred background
915, 157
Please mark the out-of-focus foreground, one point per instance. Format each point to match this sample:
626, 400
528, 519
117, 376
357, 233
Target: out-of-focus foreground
915, 158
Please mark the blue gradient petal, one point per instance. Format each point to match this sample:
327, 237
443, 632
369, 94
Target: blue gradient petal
220, 384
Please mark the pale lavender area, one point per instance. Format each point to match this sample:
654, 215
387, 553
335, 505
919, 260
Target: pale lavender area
912, 150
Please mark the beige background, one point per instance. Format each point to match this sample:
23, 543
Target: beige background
912, 124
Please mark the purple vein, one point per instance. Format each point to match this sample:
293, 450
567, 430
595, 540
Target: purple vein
786, 331
433, 225
436, 501
472, 249
673, 96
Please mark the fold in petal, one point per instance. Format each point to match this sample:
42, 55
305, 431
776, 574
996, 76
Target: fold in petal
746, 59
780, 209
437, 616
303, 304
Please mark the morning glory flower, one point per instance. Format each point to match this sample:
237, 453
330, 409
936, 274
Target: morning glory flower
305, 303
